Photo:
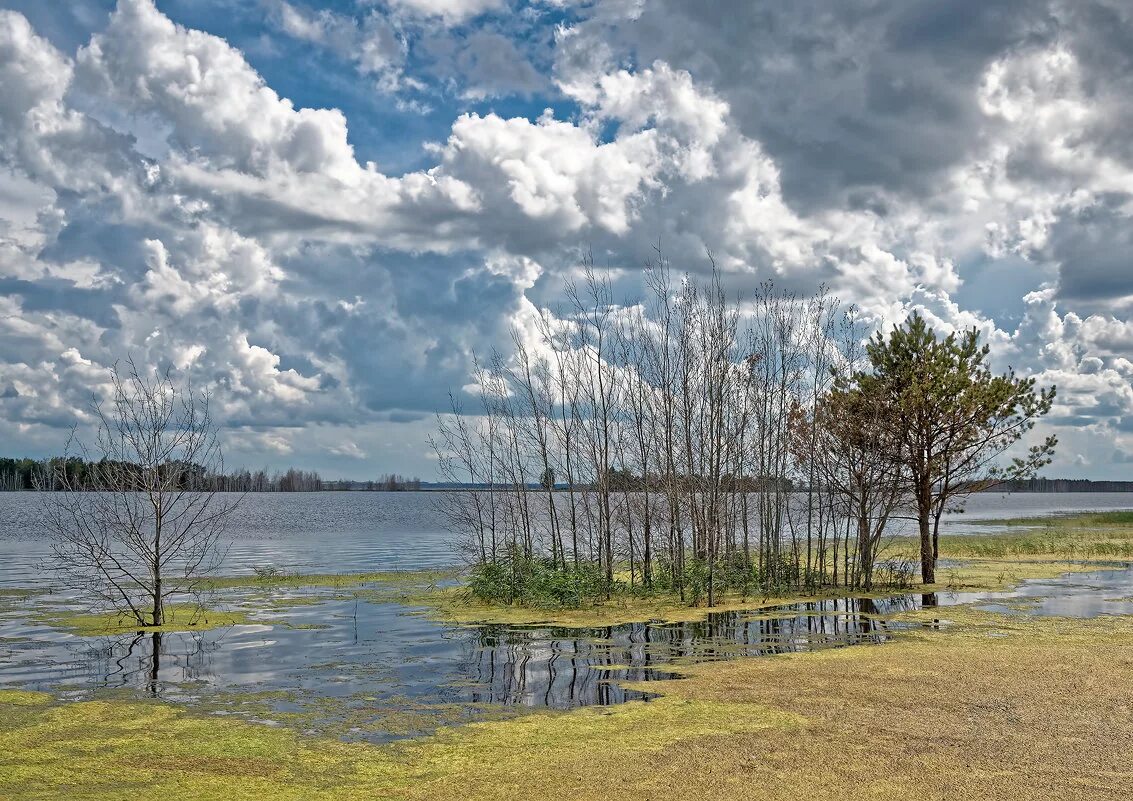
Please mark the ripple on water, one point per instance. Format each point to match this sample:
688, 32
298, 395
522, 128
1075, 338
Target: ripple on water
365, 669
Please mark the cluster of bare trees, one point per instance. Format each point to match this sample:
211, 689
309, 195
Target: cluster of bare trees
697, 444
392, 482
659, 444
22, 474
289, 480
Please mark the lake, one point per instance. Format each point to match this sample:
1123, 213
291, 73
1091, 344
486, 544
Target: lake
361, 666
328, 532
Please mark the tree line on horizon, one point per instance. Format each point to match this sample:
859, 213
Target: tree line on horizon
54, 474
655, 445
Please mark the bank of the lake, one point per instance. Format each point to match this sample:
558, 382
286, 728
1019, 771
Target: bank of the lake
1011, 686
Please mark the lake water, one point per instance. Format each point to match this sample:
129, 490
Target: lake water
371, 531
360, 666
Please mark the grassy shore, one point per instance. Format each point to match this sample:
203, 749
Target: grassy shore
960, 713
1100, 535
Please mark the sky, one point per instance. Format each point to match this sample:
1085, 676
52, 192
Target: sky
324, 210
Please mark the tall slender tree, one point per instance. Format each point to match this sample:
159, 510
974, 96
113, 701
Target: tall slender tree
955, 418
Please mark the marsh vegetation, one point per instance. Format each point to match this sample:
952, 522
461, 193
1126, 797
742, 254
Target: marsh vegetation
260, 705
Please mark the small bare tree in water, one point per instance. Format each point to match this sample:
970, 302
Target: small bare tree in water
143, 522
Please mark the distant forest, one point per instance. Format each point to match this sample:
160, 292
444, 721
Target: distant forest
1064, 485
31, 474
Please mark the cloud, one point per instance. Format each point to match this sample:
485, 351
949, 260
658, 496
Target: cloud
371, 44
347, 449
550, 171
163, 198
214, 103
450, 12
490, 65
1093, 247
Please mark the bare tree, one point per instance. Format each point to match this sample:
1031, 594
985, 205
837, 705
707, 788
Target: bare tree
144, 524
706, 444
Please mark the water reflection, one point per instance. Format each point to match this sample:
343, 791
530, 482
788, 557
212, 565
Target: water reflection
378, 649
148, 660
369, 656
564, 668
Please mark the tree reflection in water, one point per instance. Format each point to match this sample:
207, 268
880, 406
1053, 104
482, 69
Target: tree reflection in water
564, 668
375, 651
149, 660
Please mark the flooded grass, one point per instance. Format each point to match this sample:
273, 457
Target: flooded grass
389, 579
306, 691
1079, 520
179, 618
956, 574
1096, 535
954, 711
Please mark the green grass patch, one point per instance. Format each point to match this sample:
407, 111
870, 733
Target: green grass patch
389, 579
1119, 518
179, 617
97, 749
1100, 535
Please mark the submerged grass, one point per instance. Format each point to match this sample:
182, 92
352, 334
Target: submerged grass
388, 579
248, 609
995, 561
990, 707
1119, 519
1092, 535
179, 617
457, 605
351, 717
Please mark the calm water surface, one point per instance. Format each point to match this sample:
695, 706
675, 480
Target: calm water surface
364, 531
344, 662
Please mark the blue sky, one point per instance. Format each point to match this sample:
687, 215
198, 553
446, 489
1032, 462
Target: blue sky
324, 210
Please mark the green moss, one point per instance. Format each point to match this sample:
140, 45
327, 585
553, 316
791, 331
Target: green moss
383, 579
179, 617
350, 717
23, 698
108, 749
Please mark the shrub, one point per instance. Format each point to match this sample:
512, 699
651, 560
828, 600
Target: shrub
537, 583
